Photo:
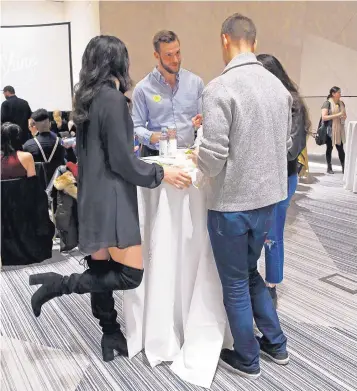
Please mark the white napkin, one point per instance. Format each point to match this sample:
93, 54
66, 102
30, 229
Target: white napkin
199, 137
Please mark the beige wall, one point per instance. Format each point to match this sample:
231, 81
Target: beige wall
316, 41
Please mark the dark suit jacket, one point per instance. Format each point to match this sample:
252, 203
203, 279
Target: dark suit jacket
17, 111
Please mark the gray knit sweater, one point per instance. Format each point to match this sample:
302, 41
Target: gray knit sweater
246, 134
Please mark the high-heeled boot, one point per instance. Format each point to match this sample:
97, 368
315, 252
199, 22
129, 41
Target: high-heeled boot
103, 308
119, 277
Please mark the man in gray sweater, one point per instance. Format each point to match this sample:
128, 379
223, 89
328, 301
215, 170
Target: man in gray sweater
246, 132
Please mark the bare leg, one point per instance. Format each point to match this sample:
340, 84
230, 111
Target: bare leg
101, 255
130, 256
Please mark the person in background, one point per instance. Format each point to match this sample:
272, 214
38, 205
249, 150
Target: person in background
32, 127
14, 162
70, 142
334, 111
16, 111
58, 125
72, 128
108, 174
45, 147
246, 132
169, 96
274, 244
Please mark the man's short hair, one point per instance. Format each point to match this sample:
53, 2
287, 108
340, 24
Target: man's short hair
42, 120
240, 28
9, 89
40, 115
163, 36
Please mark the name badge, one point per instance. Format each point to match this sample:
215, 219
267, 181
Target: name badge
157, 98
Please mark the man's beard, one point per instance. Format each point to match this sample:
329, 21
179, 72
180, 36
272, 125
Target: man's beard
168, 69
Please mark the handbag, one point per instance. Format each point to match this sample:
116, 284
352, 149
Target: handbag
321, 134
322, 131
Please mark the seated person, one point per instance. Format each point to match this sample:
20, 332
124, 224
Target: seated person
45, 147
26, 229
69, 144
14, 162
58, 125
72, 128
32, 127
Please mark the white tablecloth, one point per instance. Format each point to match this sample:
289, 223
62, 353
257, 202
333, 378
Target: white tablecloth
177, 313
350, 176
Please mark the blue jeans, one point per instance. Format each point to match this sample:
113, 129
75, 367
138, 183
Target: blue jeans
237, 241
274, 245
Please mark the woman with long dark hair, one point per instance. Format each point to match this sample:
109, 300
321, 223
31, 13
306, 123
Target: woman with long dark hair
274, 246
108, 173
334, 111
14, 162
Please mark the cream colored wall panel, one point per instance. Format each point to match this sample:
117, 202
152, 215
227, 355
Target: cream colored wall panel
325, 64
328, 19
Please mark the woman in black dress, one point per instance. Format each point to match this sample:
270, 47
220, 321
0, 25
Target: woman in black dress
108, 174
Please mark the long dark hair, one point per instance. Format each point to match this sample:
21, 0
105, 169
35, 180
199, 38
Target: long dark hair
10, 139
105, 57
333, 90
273, 65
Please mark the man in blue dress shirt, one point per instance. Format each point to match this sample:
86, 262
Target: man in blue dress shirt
169, 97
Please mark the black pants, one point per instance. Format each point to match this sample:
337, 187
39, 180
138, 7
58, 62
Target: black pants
340, 150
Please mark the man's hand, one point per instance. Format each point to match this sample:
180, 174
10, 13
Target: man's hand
155, 137
197, 121
177, 177
136, 148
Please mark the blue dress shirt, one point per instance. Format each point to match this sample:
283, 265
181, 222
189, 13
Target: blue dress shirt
157, 105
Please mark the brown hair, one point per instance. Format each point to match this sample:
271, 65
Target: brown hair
163, 36
240, 28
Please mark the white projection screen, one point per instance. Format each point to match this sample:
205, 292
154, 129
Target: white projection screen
36, 61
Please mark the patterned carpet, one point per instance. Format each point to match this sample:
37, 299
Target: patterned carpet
317, 307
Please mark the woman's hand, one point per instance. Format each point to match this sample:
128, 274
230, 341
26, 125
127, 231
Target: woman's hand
194, 156
177, 177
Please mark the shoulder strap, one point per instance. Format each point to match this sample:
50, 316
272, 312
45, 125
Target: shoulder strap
43, 153
53, 150
41, 150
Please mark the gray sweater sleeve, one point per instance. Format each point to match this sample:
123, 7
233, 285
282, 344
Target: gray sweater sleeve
217, 120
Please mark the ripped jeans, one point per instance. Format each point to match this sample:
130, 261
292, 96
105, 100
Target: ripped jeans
274, 245
237, 240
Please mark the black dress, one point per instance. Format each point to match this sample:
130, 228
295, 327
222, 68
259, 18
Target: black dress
108, 174
58, 130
